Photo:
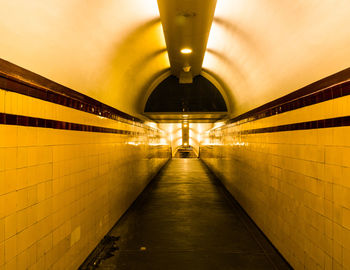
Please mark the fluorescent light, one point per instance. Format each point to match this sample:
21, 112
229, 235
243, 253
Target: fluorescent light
186, 51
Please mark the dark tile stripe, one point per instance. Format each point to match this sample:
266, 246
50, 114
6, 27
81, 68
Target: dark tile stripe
323, 123
332, 87
16, 79
19, 80
20, 120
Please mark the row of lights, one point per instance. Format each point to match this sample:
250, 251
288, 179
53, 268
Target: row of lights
186, 69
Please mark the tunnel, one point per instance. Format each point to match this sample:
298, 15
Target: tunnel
174, 134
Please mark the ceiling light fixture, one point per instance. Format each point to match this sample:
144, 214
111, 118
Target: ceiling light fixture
187, 68
186, 51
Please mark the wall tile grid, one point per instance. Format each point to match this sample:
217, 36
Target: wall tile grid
294, 184
62, 190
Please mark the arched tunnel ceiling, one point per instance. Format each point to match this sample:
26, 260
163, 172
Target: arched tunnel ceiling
112, 50
264, 49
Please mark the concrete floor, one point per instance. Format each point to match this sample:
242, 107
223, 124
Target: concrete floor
185, 219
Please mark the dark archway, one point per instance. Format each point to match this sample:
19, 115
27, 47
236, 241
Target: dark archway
199, 96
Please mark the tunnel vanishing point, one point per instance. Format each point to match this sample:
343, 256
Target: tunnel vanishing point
174, 134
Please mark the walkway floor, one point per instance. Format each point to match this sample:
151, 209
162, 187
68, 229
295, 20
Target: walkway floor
186, 220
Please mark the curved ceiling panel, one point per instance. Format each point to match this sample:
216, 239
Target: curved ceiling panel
263, 49
186, 29
109, 50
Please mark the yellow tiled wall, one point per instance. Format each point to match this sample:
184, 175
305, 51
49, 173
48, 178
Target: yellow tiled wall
61, 191
294, 184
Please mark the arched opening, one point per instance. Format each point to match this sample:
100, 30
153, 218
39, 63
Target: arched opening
197, 97
185, 104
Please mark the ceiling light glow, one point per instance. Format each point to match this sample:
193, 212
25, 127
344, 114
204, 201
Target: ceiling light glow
186, 51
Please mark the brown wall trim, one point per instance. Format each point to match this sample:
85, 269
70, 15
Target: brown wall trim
19, 80
324, 123
332, 87
27, 121
317, 124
